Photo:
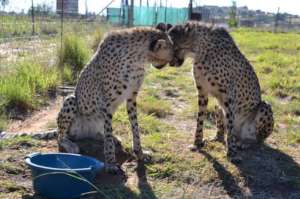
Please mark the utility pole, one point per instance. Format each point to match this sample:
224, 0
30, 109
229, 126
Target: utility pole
290, 22
32, 18
276, 20
190, 9
86, 9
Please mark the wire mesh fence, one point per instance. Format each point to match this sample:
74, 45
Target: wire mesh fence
31, 27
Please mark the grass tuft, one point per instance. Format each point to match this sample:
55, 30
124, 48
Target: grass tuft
74, 53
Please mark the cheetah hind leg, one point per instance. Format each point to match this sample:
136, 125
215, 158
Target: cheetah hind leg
65, 118
264, 122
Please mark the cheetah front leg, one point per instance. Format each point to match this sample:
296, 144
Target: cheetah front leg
132, 114
202, 102
111, 165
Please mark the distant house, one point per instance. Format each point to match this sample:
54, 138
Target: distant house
70, 7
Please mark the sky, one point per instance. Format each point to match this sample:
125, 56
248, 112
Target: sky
289, 6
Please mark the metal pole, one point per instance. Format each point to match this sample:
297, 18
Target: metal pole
32, 18
190, 9
130, 14
166, 11
276, 20
86, 9
61, 42
61, 23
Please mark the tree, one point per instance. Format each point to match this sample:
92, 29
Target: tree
232, 22
4, 3
41, 10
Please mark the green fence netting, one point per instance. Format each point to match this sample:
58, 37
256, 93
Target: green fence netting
147, 16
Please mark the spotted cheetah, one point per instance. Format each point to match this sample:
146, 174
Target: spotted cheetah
113, 75
221, 70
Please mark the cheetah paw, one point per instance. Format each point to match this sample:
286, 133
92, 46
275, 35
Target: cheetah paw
235, 159
68, 147
197, 146
144, 156
114, 169
218, 139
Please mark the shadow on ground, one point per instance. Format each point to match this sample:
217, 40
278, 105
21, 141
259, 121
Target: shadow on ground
266, 172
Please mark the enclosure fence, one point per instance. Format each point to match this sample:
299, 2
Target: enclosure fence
147, 16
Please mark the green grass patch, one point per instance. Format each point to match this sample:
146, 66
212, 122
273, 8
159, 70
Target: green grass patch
29, 79
7, 186
74, 53
10, 168
19, 141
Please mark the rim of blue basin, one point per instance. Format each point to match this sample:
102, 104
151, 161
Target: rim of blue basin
97, 166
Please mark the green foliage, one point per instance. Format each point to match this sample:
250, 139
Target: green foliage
17, 141
21, 86
74, 53
97, 37
68, 75
157, 107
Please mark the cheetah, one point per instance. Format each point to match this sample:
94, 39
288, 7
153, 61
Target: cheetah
222, 71
113, 75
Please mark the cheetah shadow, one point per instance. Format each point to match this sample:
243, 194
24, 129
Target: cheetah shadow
266, 172
114, 186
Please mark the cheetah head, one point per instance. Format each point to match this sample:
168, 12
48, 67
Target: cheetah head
182, 38
161, 49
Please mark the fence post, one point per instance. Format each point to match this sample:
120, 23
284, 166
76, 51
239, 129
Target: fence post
32, 18
190, 9
130, 13
61, 23
61, 43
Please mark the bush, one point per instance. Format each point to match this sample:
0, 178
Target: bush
68, 75
74, 52
97, 37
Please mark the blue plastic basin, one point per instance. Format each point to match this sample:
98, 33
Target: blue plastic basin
62, 175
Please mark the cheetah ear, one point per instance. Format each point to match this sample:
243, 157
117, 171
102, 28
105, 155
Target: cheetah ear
161, 26
187, 28
157, 44
169, 26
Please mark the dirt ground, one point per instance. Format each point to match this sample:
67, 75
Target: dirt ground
264, 170
40, 120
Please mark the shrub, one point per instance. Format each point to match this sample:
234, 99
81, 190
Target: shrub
97, 37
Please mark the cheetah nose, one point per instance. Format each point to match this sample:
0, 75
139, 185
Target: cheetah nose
159, 66
176, 62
